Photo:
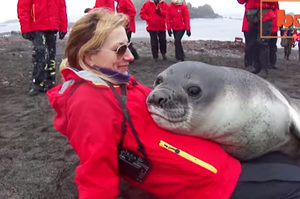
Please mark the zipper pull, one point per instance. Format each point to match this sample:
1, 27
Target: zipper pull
172, 148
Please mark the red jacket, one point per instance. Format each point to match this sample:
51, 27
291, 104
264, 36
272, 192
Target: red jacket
156, 22
178, 17
105, 3
294, 34
275, 25
251, 4
90, 117
297, 39
40, 15
127, 7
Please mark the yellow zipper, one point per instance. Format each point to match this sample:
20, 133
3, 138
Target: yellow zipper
188, 157
33, 12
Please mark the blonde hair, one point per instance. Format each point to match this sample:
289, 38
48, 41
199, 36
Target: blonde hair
88, 35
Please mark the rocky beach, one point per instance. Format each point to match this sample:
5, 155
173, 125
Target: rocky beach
36, 162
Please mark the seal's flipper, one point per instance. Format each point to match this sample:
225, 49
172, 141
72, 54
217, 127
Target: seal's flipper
295, 110
294, 107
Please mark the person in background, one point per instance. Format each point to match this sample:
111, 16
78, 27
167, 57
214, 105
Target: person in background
288, 43
127, 7
254, 41
273, 41
40, 22
110, 4
249, 54
298, 42
154, 13
178, 22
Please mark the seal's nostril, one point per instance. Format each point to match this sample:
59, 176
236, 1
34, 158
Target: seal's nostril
161, 101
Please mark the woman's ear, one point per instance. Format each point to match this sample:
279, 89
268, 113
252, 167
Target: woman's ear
88, 59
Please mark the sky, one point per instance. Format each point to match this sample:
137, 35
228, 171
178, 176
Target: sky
226, 8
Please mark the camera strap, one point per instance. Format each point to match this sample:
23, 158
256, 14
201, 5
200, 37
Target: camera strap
122, 100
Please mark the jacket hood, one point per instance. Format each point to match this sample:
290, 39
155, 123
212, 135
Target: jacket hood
59, 95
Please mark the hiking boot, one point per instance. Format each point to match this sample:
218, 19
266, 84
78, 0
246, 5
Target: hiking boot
164, 57
179, 60
33, 92
263, 73
274, 67
252, 69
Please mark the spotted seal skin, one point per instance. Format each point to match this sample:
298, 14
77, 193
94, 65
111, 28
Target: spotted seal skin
245, 114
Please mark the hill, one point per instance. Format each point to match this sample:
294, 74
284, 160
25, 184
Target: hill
204, 11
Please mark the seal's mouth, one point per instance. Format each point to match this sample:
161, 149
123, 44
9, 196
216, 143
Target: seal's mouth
172, 115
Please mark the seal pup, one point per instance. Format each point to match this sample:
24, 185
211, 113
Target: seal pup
245, 114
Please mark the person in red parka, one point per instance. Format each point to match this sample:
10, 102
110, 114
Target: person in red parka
154, 13
254, 42
115, 137
178, 22
251, 57
248, 62
297, 40
273, 41
128, 8
40, 21
109, 4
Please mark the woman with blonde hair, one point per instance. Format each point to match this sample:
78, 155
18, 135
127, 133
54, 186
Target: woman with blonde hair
91, 117
102, 111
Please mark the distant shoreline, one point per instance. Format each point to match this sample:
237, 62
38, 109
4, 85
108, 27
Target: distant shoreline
10, 21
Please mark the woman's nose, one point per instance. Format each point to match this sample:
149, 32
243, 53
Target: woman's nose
128, 55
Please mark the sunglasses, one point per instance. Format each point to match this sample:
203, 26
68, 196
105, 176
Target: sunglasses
121, 50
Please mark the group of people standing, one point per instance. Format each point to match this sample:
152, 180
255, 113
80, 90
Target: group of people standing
41, 21
261, 39
161, 18
260, 52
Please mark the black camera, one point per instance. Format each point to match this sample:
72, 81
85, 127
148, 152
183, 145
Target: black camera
132, 165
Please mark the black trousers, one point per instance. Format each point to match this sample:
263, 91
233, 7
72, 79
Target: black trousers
248, 58
158, 40
179, 53
273, 50
298, 52
256, 44
43, 60
131, 48
288, 48
255, 54
272, 176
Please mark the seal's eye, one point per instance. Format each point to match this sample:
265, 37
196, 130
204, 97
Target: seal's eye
194, 91
158, 81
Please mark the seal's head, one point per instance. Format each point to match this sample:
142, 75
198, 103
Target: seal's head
182, 96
